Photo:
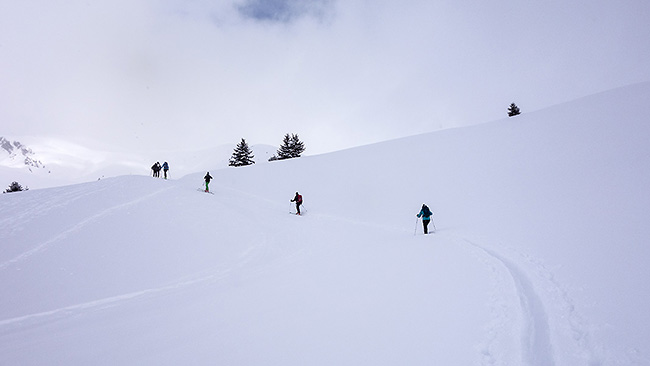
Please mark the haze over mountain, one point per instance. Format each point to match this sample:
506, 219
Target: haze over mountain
540, 255
62, 162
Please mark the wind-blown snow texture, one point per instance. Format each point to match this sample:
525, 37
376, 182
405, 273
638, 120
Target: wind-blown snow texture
540, 258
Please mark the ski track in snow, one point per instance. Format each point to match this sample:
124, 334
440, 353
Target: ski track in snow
56, 198
43, 246
536, 342
249, 255
105, 303
535, 338
576, 326
257, 251
110, 302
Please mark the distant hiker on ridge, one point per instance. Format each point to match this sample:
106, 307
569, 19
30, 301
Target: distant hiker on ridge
165, 167
156, 170
426, 214
207, 178
298, 200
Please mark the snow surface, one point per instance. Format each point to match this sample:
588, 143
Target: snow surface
540, 255
67, 162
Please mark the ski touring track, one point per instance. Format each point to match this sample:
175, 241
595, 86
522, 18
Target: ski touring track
254, 255
215, 275
55, 198
62, 235
534, 326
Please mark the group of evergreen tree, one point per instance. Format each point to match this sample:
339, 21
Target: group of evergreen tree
15, 187
291, 148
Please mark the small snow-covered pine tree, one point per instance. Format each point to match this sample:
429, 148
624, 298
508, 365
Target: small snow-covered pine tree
242, 155
513, 110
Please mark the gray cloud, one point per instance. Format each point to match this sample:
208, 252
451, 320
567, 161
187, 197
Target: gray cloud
284, 10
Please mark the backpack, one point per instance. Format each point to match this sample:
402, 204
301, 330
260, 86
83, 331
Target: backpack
426, 212
298, 199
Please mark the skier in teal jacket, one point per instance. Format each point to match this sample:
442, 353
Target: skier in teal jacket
165, 168
425, 214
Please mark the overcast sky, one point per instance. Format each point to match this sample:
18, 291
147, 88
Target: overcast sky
157, 74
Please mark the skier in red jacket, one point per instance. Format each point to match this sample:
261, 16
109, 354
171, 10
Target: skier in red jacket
298, 200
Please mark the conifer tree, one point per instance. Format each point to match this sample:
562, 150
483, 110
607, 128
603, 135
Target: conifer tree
291, 148
284, 152
513, 110
15, 187
242, 155
297, 146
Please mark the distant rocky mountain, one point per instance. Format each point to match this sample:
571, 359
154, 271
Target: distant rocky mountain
18, 154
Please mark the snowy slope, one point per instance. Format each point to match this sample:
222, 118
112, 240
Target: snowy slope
540, 257
65, 162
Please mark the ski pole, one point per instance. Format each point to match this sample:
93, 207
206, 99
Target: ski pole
416, 226
434, 224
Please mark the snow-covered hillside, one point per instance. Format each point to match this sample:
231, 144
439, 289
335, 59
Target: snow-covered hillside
540, 257
63, 162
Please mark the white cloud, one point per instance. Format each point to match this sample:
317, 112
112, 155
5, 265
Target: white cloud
149, 74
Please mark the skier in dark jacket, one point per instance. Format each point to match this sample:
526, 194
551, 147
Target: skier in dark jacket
207, 178
425, 214
298, 200
165, 168
156, 170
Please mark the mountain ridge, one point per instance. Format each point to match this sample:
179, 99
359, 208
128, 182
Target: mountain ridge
17, 150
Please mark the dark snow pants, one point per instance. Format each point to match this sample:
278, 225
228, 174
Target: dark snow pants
425, 223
